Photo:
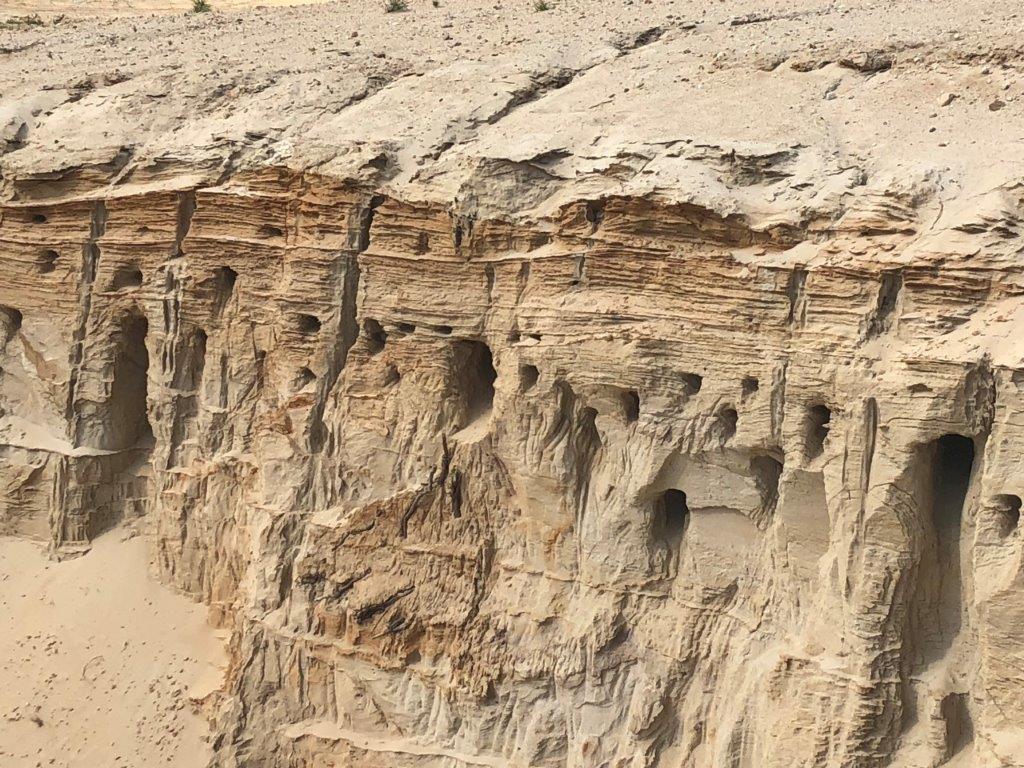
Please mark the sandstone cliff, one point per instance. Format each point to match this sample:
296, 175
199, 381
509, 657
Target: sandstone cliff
647, 392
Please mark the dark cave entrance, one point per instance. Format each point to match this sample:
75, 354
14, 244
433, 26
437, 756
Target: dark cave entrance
127, 411
943, 482
816, 426
951, 477
675, 515
474, 374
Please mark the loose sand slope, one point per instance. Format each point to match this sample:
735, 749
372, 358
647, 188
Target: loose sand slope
97, 661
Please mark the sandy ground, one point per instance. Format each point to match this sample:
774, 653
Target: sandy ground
48, 8
97, 661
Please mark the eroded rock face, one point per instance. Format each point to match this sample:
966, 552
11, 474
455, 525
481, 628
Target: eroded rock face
503, 436
585, 492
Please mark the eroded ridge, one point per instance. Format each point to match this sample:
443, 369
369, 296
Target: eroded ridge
619, 484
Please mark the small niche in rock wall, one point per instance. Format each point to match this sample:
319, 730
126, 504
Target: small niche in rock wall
391, 375
127, 414
405, 328
692, 382
303, 378
39, 218
474, 376
444, 330
126, 276
947, 468
726, 422
957, 717
675, 514
307, 325
47, 262
748, 386
1007, 510
767, 471
816, 426
267, 231
528, 375
225, 279
10, 323
375, 335
631, 405
889, 290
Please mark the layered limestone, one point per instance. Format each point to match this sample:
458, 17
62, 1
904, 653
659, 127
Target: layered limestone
615, 414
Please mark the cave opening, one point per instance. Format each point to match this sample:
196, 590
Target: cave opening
127, 412
268, 230
767, 471
675, 514
726, 422
47, 261
10, 323
474, 376
307, 325
631, 405
224, 279
957, 718
303, 379
375, 335
1007, 508
528, 376
816, 427
126, 277
952, 463
692, 382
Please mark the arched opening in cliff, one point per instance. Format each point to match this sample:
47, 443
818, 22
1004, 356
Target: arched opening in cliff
375, 335
943, 483
957, 717
954, 462
816, 426
47, 261
631, 405
126, 276
767, 471
474, 377
528, 376
1007, 511
126, 414
307, 325
224, 279
303, 379
724, 427
675, 515
10, 324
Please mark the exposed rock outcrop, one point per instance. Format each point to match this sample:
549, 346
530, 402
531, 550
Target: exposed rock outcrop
570, 424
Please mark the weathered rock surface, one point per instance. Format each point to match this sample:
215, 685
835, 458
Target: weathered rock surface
648, 393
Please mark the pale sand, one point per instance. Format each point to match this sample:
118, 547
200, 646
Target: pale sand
98, 661
130, 7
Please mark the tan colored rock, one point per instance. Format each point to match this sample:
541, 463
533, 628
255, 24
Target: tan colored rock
588, 395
